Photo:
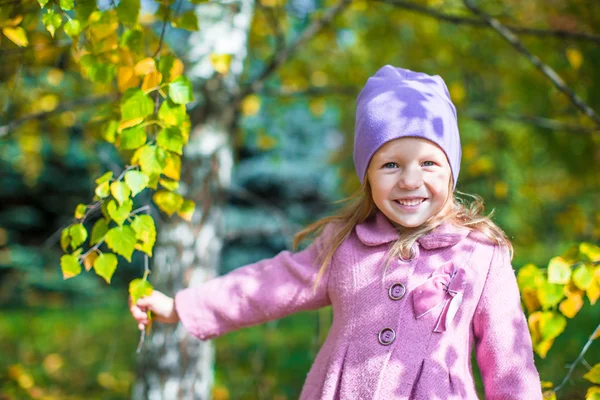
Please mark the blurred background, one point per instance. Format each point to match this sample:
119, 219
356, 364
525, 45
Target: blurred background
290, 88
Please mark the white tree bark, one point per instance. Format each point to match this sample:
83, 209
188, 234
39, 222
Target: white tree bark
173, 364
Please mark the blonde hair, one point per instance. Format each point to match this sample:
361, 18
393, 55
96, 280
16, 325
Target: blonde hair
361, 206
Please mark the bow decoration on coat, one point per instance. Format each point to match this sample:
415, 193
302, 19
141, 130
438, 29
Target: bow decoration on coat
443, 289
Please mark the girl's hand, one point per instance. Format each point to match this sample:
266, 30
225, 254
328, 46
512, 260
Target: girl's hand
161, 305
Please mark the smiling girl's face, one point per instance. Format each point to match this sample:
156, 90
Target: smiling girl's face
410, 181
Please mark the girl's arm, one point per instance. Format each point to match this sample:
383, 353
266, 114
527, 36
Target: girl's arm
502, 342
256, 293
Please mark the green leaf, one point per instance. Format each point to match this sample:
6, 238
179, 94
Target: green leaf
593, 375
121, 240
120, 192
137, 181
84, 9
80, 211
98, 231
104, 178
170, 139
559, 271
97, 71
66, 4
135, 104
583, 276
145, 232
105, 266
119, 213
169, 184
169, 202
552, 324
109, 131
129, 11
139, 288
65, 239
180, 90
150, 160
171, 113
52, 21
78, 235
186, 211
103, 190
73, 28
188, 20
529, 276
165, 64
132, 39
550, 294
43, 3
70, 266
133, 138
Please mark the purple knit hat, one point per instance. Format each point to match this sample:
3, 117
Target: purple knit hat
398, 103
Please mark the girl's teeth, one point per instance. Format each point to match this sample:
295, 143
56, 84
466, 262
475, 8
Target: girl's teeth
410, 202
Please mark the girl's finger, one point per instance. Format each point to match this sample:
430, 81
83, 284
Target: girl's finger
141, 327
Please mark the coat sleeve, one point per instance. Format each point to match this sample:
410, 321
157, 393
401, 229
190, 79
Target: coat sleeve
502, 341
249, 295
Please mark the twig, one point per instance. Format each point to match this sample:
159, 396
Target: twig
477, 23
89, 101
578, 359
545, 69
274, 22
146, 273
282, 56
540, 122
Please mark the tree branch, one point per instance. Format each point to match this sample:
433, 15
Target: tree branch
281, 57
540, 122
578, 359
477, 23
545, 69
89, 101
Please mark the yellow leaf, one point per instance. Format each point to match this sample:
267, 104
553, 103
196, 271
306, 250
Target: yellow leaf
48, 102
176, 69
571, 306
265, 142
457, 92
317, 106
129, 123
221, 62
500, 190
593, 291
575, 58
145, 66
531, 300
14, 21
126, 78
593, 393
89, 260
173, 168
318, 78
17, 35
250, 105
151, 81
549, 395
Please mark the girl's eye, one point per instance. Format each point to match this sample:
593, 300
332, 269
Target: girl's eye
428, 164
389, 165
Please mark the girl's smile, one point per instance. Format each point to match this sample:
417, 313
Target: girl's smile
410, 181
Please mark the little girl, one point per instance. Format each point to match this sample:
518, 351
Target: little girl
414, 276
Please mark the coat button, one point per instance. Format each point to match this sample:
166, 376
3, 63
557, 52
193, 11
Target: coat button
397, 291
387, 336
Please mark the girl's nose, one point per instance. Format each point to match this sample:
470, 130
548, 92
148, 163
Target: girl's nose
411, 179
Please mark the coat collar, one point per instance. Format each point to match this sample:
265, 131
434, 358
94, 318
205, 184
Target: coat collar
378, 230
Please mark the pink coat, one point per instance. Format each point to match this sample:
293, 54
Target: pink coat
409, 337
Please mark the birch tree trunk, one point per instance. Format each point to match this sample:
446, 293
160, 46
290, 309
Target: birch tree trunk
173, 364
